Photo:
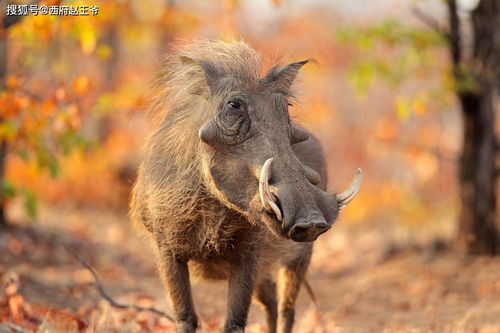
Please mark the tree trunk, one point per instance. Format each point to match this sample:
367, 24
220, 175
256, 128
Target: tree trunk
3, 142
477, 230
477, 233
3, 160
6, 23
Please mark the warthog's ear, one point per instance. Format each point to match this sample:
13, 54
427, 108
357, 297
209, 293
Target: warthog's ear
282, 77
211, 74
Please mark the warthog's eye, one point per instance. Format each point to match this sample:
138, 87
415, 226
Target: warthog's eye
235, 104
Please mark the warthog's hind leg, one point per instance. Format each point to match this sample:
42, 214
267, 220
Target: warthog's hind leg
266, 295
290, 277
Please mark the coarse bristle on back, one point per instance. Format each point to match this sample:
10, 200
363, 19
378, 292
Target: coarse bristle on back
182, 77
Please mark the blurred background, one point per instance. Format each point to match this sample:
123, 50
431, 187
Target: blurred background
404, 89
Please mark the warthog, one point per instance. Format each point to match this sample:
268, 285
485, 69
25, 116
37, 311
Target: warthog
230, 187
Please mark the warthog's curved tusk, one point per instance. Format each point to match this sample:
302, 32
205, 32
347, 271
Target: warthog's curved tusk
345, 197
266, 197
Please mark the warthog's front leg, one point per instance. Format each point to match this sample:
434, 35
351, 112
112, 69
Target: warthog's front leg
175, 276
241, 284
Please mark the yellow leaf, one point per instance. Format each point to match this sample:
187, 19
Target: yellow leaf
88, 40
402, 109
105, 52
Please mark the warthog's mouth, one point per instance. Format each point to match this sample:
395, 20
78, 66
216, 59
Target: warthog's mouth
274, 224
299, 231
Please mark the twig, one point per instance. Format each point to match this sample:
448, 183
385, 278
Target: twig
107, 296
10, 327
455, 38
311, 293
429, 21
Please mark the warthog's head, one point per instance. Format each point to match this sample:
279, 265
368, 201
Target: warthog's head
248, 159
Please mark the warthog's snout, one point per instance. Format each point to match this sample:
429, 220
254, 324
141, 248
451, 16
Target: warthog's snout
305, 211
308, 231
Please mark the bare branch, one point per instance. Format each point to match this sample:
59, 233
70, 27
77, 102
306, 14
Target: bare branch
311, 293
430, 21
454, 38
104, 293
10, 327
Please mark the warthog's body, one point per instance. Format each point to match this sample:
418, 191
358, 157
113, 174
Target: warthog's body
198, 191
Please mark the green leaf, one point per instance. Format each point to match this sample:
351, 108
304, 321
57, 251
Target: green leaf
24, 154
8, 130
361, 77
45, 159
104, 105
7, 189
71, 140
53, 167
30, 203
391, 52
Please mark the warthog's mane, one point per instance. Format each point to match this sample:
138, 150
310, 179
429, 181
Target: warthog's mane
181, 80
170, 190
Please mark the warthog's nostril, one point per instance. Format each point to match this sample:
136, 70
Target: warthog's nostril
321, 228
300, 229
308, 232
299, 232
321, 225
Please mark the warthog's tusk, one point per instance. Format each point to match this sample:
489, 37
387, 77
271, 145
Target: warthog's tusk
345, 197
266, 197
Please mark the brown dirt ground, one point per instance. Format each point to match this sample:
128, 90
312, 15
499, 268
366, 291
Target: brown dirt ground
362, 283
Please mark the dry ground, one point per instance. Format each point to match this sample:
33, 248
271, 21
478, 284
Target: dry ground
364, 282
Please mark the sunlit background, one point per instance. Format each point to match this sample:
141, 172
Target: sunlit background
380, 98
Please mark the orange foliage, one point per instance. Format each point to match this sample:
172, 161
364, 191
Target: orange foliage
100, 88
